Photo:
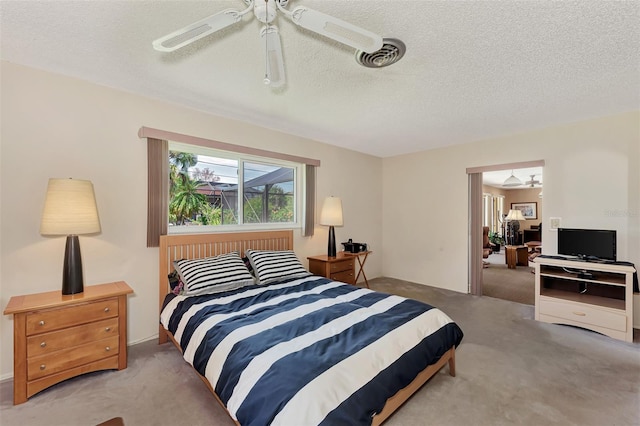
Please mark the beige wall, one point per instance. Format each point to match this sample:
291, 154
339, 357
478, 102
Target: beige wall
590, 180
525, 196
486, 189
54, 126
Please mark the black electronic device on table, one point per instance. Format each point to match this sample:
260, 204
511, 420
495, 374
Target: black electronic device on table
588, 244
351, 247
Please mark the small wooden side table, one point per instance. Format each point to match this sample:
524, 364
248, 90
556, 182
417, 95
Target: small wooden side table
516, 255
362, 258
56, 337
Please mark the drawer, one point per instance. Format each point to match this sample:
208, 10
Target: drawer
345, 277
342, 265
54, 319
52, 341
586, 314
55, 362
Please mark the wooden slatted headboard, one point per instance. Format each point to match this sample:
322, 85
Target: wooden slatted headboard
195, 246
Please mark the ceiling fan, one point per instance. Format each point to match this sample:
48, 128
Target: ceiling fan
533, 182
266, 12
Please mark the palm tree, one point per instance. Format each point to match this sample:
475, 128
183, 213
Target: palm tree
186, 200
179, 163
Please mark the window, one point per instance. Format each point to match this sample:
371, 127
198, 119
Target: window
486, 210
492, 212
214, 188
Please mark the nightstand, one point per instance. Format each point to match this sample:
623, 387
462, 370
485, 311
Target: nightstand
57, 337
339, 268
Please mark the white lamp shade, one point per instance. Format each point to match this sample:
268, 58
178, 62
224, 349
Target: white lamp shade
512, 181
515, 215
331, 213
70, 208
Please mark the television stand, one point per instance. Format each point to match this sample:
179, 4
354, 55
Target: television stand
595, 296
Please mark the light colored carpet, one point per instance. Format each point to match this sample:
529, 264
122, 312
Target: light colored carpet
510, 370
516, 285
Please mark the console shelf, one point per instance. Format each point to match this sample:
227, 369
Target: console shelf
595, 296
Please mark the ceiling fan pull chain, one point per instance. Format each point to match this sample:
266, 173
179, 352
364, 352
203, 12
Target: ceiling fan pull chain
266, 80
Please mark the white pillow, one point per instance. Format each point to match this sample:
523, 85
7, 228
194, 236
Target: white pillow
270, 266
213, 274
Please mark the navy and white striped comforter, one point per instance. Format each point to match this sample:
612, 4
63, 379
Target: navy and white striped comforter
307, 351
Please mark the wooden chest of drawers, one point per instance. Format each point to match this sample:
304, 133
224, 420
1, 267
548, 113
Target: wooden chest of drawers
339, 268
57, 337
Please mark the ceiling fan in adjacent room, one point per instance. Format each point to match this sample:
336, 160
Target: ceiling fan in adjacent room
266, 12
533, 182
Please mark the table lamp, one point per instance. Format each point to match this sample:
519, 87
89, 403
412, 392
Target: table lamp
331, 215
513, 216
70, 209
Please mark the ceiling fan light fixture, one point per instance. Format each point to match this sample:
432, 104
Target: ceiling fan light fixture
512, 181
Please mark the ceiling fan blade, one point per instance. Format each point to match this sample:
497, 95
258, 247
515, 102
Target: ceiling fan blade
197, 30
273, 60
336, 29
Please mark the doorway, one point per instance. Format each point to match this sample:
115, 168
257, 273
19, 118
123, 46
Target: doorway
490, 204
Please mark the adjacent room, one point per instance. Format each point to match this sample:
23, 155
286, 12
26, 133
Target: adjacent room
510, 276
305, 212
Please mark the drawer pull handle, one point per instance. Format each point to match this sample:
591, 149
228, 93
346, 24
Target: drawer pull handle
41, 322
107, 329
106, 309
42, 366
107, 349
43, 344
582, 314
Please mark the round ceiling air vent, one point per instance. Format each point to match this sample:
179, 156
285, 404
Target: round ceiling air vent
392, 51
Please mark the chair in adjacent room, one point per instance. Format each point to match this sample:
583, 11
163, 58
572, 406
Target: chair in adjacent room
487, 246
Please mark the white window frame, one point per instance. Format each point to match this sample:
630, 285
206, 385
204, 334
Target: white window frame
299, 185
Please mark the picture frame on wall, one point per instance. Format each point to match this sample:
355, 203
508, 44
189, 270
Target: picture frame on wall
528, 210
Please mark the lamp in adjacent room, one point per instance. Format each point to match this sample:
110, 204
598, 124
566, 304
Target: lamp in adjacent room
512, 181
331, 215
70, 209
513, 216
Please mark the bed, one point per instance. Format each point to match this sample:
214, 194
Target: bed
301, 348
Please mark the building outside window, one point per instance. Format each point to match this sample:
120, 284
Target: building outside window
212, 188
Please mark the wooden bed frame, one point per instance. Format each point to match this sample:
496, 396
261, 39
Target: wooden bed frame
193, 246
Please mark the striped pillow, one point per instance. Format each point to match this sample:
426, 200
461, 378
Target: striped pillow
213, 274
270, 266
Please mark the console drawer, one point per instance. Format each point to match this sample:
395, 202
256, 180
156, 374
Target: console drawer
44, 365
55, 319
582, 313
52, 341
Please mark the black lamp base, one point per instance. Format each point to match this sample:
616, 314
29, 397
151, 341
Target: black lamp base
72, 279
331, 247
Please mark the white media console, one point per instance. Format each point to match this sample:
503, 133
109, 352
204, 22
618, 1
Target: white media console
595, 296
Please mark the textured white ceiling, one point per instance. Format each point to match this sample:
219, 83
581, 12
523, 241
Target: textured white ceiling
473, 69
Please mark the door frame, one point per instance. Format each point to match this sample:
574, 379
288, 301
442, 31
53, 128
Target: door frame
475, 218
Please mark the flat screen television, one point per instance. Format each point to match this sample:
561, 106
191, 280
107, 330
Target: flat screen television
587, 244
